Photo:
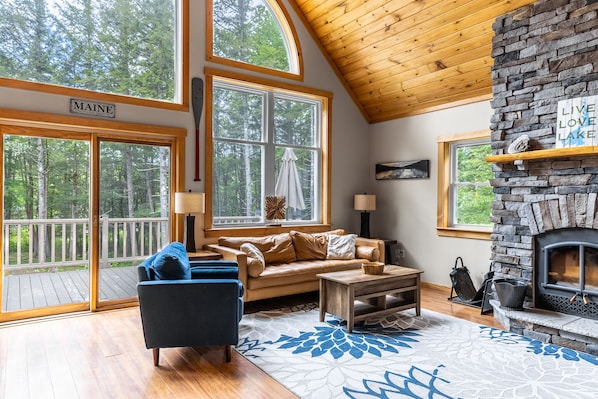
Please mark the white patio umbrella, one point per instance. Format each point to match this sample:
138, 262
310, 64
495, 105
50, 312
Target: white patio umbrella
288, 184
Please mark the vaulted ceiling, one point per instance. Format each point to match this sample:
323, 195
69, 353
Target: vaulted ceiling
405, 57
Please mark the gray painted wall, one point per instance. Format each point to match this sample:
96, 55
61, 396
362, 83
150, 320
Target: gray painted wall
406, 209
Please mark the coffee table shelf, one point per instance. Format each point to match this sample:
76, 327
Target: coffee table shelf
354, 296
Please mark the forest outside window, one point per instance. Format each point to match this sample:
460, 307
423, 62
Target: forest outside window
130, 50
256, 35
265, 141
464, 193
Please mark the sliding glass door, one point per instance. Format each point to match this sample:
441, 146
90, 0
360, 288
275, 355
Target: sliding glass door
60, 256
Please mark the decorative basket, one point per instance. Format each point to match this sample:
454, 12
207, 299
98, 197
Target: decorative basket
372, 267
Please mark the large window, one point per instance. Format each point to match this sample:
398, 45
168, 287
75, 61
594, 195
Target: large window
121, 47
265, 141
253, 34
465, 195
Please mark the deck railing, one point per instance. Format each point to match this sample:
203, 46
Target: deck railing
65, 242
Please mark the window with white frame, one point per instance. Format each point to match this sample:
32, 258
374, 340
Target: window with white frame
266, 142
470, 194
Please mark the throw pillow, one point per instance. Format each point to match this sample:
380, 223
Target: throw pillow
172, 263
341, 247
282, 250
255, 259
309, 246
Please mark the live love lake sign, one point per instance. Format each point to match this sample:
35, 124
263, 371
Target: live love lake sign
93, 108
576, 122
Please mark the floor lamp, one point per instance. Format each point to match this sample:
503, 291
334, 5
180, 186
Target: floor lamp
365, 203
189, 203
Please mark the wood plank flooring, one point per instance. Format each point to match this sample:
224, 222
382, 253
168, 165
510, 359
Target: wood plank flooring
103, 355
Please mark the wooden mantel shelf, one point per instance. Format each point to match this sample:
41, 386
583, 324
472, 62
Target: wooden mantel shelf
544, 154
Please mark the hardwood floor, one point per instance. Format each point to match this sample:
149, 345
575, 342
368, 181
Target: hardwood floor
102, 355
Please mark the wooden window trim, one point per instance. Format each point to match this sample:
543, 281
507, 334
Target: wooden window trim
182, 82
288, 31
442, 209
325, 147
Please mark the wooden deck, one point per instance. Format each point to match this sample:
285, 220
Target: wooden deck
35, 290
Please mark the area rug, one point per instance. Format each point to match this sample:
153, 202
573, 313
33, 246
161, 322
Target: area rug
405, 356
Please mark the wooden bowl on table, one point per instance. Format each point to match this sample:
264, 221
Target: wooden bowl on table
372, 267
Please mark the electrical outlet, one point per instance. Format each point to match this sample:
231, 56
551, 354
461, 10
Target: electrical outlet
401, 253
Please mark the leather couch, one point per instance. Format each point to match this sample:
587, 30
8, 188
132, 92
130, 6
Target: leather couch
291, 261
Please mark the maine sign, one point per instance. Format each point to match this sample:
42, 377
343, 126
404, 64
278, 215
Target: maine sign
104, 110
576, 122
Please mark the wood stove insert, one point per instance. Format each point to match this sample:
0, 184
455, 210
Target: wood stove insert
566, 272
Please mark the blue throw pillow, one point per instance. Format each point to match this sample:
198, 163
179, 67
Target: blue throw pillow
172, 263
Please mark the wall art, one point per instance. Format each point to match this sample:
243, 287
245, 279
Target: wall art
403, 170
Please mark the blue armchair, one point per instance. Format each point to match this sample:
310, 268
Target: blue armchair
184, 303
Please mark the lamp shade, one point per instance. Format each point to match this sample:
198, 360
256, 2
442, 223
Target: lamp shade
189, 202
364, 202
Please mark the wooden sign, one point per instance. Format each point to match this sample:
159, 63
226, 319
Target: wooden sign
576, 122
104, 110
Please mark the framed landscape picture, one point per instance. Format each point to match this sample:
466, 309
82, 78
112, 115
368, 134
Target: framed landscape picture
403, 170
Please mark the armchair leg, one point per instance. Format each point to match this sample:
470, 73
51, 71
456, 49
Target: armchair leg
156, 356
228, 352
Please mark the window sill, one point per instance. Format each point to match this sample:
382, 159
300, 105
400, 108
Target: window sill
463, 233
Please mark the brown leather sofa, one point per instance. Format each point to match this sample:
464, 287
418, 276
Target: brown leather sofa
287, 263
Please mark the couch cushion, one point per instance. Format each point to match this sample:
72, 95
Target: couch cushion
172, 263
262, 243
341, 247
276, 248
281, 251
299, 272
255, 259
309, 246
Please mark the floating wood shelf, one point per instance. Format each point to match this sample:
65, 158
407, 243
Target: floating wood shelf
544, 154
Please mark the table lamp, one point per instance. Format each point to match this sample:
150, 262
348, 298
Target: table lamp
365, 203
189, 203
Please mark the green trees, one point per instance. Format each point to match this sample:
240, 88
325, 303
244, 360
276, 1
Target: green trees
47, 197
115, 46
474, 194
247, 31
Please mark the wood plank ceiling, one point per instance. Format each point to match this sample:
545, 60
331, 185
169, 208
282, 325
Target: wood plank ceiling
407, 57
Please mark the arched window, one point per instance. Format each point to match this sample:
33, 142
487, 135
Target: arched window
253, 34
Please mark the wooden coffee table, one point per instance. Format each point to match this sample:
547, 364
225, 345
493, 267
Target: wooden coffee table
354, 295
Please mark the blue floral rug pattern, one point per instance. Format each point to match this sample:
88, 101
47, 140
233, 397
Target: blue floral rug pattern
404, 356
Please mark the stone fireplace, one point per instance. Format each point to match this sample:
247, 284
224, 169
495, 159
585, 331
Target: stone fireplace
544, 53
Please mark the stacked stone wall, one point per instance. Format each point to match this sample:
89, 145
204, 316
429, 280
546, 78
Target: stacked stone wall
543, 53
